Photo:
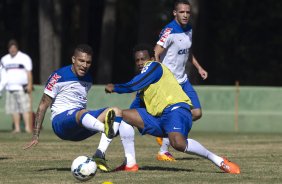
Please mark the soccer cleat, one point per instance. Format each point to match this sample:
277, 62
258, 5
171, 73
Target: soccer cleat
109, 123
159, 140
229, 167
123, 167
102, 164
167, 156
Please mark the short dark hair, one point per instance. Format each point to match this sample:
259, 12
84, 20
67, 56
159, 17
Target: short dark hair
144, 46
83, 48
177, 2
13, 42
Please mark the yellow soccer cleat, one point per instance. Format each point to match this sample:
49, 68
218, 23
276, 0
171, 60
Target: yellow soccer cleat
102, 164
167, 156
109, 123
159, 140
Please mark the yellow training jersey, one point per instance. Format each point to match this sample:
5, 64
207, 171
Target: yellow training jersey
163, 93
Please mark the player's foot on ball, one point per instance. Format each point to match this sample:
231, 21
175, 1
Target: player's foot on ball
109, 122
123, 167
229, 167
99, 158
102, 164
167, 156
159, 140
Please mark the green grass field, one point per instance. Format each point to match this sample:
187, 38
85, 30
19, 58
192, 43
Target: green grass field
259, 155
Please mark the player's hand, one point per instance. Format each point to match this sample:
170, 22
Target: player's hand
34, 141
109, 88
203, 73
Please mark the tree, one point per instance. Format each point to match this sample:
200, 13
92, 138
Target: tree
106, 55
49, 37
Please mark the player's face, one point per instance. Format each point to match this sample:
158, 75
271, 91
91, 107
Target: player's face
81, 63
182, 14
141, 57
13, 50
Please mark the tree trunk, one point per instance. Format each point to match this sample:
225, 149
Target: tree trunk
49, 37
146, 22
106, 55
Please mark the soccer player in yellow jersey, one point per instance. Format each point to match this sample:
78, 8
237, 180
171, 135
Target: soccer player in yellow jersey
161, 108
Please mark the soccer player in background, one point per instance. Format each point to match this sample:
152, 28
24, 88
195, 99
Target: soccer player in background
173, 49
161, 108
66, 94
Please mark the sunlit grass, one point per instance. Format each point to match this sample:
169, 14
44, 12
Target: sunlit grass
259, 155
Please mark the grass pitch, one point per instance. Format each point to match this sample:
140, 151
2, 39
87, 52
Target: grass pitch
259, 156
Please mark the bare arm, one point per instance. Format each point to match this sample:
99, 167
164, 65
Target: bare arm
158, 51
40, 114
202, 72
30, 81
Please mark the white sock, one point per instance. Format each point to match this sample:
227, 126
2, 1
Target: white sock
91, 123
126, 133
165, 145
196, 148
117, 122
104, 143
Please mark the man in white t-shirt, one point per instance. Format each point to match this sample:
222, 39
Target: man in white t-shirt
17, 79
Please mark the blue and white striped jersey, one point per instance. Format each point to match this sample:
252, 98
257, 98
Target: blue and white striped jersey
177, 42
67, 90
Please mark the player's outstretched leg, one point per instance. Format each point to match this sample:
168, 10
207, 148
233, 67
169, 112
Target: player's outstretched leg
109, 123
127, 133
194, 147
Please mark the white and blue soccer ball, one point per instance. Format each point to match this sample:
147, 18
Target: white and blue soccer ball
83, 168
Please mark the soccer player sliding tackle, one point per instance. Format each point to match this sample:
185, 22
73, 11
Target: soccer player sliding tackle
161, 108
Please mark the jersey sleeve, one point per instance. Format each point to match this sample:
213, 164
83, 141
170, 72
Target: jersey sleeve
165, 38
52, 88
28, 63
150, 74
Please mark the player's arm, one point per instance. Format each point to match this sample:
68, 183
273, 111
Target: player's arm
150, 74
39, 117
30, 82
3, 79
158, 51
202, 72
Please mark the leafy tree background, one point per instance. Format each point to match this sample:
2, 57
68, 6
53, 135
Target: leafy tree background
234, 40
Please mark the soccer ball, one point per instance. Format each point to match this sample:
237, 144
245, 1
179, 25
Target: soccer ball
83, 168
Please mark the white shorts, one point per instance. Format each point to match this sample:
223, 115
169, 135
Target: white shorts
17, 101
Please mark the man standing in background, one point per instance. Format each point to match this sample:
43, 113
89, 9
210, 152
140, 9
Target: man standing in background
173, 49
18, 81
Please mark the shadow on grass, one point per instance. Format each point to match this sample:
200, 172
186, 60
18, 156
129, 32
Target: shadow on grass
4, 158
157, 168
54, 169
188, 158
5, 131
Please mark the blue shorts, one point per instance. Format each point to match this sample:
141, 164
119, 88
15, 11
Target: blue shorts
175, 118
65, 126
192, 94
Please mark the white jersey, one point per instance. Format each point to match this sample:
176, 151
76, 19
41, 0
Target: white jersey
16, 70
67, 90
177, 42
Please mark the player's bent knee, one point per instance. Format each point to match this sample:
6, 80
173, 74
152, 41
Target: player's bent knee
117, 110
178, 145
